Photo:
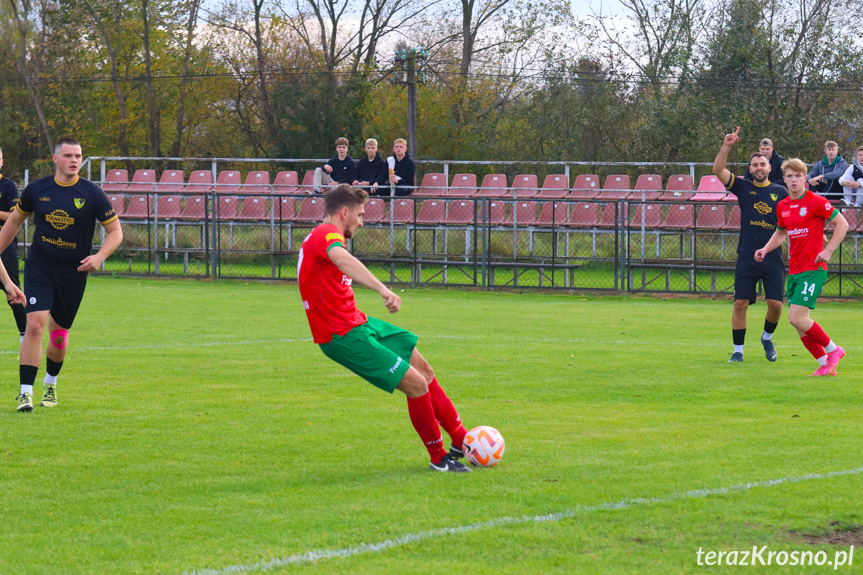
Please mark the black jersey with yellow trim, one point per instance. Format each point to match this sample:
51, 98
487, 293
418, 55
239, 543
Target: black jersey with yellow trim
65, 217
9, 195
758, 218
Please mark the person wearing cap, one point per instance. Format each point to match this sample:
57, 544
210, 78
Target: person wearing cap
775, 176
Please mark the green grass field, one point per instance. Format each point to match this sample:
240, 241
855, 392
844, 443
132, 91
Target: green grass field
200, 429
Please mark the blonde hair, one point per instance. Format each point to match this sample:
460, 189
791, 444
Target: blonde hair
829, 144
372, 141
859, 149
400, 141
795, 165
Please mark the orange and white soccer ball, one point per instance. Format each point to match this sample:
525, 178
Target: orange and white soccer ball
484, 446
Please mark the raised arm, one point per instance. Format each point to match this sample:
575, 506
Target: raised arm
354, 269
721, 160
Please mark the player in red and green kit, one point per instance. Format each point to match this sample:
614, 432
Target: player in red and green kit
379, 352
802, 216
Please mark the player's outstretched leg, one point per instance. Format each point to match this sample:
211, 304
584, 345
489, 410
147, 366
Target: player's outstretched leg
444, 410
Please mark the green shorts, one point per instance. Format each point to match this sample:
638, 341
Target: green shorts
805, 287
377, 351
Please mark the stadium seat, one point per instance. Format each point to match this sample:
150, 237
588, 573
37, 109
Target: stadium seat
496, 213
586, 186
376, 211
609, 217
143, 182
432, 185
647, 187
195, 209
311, 210
524, 214
616, 182
227, 208
680, 216
729, 197
431, 212
584, 215
850, 214
286, 183
552, 214
679, 187
710, 189
711, 217
285, 209
229, 182
254, 209
200, 182
118, 202
171, 182
256, 183
403, 211
140, 208
308, 185
733, 222
116, 181
524, 186
169, 207
461, 212
651, 213
613, 195
462, 185
493, 186
554, 186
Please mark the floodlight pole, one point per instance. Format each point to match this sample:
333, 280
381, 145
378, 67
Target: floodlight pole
407, 60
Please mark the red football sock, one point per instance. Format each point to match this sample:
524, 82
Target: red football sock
814, 348
817, 334
446, 414
423, 419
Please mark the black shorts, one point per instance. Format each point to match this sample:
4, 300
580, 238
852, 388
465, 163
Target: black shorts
54, 288
10, 262
771, 272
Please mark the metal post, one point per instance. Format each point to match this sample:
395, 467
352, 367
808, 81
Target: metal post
412, 103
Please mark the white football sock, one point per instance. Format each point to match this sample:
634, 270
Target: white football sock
738, 349
51, 379
27, 389
830, 347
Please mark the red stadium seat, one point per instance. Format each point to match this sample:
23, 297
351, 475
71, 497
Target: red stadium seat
195, 209
171, 182
286, 183
227, 208
586, 182
711, 217
496, 213
616, 182
647, 187
680, 216
285, 209
554, 186
376, 211
403, 211
308, 185
116, 181
462, 185
616, 195
523, 213
493, 186
524, 186
200, 182
461, 212
140, 208
710, 189
552, 214
679, 187
311, 210
729, 197
169, 207
118, 203
584, 215
432, 212
256, 183
432, 185
609, 218
254, 209
143, 182
229, 182
733, 222
651, 213
850, 214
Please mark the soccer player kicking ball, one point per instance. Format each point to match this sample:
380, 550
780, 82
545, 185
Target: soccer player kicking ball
801, 218
379, 352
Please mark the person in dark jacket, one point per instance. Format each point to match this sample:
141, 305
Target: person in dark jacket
341, 168
372, 170
402, 169
824, 176
775, 177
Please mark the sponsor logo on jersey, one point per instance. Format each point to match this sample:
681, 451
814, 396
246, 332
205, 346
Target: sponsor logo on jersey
79, 203
305, 304
827, 206
802, 211
44, 199
762, 224
798, 232
334, 236
786, 214
59, 219
346, 280
762, 208
60, 243
396, 366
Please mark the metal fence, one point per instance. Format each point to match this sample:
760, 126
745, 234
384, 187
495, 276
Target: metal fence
485, 242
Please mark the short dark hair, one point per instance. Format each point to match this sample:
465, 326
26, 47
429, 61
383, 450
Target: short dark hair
66, 140
344, 195
758, 155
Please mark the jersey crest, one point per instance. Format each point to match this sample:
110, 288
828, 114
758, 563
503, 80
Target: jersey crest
802, 211
774, 197
79, 203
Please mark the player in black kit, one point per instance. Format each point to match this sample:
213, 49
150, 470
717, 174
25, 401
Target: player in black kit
65, 210
757, 200
8, 198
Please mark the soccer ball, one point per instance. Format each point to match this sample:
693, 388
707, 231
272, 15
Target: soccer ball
484, 446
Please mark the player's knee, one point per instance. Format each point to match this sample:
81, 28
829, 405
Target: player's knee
59, 338
413, 384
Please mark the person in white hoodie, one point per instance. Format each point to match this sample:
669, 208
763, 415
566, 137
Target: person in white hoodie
852, 181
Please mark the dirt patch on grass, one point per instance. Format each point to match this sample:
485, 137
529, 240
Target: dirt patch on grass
839, 534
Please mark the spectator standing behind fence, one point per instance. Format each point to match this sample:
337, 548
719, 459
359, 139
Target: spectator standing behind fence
852, 181
775, 177
824, 176
404, 171
8, 198
340, 169
371, 170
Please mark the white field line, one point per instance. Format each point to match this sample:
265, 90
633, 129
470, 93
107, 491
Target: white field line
363, 548
179, 345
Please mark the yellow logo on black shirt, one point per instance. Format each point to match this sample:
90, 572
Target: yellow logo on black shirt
79, 203
774, 196
762, 208
59, 219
